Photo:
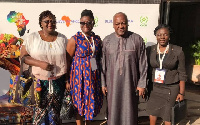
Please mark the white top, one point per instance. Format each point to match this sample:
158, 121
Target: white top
51, 52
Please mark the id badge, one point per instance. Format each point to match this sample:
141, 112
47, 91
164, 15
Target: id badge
52, 74
93, 63
159, 75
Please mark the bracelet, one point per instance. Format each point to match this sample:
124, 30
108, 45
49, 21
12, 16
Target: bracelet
181, 94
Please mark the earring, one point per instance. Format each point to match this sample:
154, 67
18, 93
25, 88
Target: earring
169, 38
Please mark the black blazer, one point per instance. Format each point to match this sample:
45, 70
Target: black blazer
174, 64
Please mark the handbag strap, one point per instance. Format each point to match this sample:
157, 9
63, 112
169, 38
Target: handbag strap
18, 80
34, 100
20, 73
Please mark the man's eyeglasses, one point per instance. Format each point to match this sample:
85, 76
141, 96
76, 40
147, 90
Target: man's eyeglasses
49, 21
87, 23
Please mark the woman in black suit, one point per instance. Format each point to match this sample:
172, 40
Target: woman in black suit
167, 73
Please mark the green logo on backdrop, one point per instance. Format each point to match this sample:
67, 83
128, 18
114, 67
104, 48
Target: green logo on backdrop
143, 20
96, 21
145, 40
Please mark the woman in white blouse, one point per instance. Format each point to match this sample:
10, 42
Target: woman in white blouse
45, 51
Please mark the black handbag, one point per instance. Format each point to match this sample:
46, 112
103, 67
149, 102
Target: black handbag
179, 111
67, 109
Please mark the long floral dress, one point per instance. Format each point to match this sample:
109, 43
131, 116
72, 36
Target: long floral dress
85, 82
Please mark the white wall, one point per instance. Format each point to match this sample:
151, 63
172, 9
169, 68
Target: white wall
4, 81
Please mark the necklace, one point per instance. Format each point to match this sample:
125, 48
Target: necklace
47, 38
163, 51
50, 45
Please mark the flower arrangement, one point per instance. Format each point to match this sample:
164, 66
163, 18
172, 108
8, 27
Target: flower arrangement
196, 52
9, 46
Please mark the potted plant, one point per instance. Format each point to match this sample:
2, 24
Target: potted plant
196, 67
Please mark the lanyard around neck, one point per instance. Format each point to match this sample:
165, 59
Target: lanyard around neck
92, 46
161, 60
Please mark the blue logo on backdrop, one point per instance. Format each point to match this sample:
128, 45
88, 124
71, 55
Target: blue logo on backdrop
111, 21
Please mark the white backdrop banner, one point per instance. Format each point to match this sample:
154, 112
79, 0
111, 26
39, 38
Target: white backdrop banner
143, 18
21, 19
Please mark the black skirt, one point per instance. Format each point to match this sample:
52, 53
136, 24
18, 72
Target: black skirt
161, 100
